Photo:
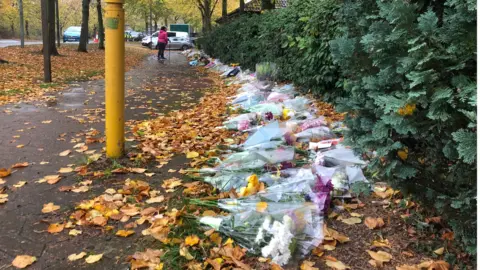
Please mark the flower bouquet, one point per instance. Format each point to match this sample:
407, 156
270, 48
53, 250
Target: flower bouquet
277, 234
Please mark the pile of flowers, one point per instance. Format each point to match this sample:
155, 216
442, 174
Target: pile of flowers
281, 178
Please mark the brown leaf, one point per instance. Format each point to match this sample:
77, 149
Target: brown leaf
52, 179
124, 233
338, 265
55, 228
22, 261
380, 256
4, 172
407, 267
373, 223
352, 220
65, 153
20, 165
50, 207
448, 236
100, 221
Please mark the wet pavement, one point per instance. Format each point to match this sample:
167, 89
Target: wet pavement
37, 133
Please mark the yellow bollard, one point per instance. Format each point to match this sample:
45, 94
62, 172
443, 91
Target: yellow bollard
114, 77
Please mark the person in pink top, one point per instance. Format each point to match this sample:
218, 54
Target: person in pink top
162, 42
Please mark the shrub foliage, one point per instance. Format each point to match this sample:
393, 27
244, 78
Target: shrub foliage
403, 71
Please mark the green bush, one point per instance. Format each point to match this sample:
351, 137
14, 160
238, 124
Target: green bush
409, 76
403, 71
296, 39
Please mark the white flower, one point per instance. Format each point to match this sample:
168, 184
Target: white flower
212, 222
279, 247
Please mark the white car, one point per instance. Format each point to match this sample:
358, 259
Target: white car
176, 41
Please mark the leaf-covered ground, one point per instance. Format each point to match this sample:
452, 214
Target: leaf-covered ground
91, 212
22, 78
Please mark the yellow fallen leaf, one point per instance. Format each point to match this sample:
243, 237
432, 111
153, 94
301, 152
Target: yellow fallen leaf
44, 162
65, 170
137, 170
94, 258
373, 223
192, 154
74, 232
150, 174
439, 265
65, 153
228, 242
380, 256
407, 267
262, 206
308, 265
20, 165
158, 199
74, 257
124, 233
172, 171
55, 228
353, 214
381, 243
336, 265
2, 181
439, 251
22, 261
192, 240
50, 207
5, 172
95, 157
47, 122
20, 146
352, 220
185, 253
80, 189
20, 184
329, 247
3, 198
52, 179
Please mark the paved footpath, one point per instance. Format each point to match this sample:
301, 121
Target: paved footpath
152, 88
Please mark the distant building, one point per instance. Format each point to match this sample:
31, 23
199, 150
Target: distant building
251, 6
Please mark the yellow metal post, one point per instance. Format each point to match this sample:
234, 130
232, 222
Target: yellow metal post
114, 77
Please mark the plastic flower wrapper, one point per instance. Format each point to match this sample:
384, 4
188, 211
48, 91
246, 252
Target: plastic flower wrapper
341, 156
288, 89
263, 202
278, 234
233, 123
297, 104
255, 159
277, 97
311, 123
275, 109
318, 133
265, 134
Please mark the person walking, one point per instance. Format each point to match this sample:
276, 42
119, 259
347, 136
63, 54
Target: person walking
162, 42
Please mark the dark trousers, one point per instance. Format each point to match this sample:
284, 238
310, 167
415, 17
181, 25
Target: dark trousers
161, 50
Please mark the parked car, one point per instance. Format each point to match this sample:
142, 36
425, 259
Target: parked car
72, 34
177, 41
133, 36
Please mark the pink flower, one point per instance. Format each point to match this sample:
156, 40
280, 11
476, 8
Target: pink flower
243, 125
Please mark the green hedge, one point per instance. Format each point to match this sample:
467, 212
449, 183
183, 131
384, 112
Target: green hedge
403, 71
295, 38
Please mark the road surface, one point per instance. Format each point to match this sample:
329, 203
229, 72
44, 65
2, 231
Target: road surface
12, 42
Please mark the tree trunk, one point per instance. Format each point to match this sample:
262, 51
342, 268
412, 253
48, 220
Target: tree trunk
22, 33
156, 26
47, 67
268, 4
57, 19
151, 26
12, 28
26, 29
51, 27
101, 38
224, 9
146, 23
166, 21
82, 47
3, 61
242, 6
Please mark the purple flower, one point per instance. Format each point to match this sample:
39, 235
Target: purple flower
290, 138
322, 190
269, 116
